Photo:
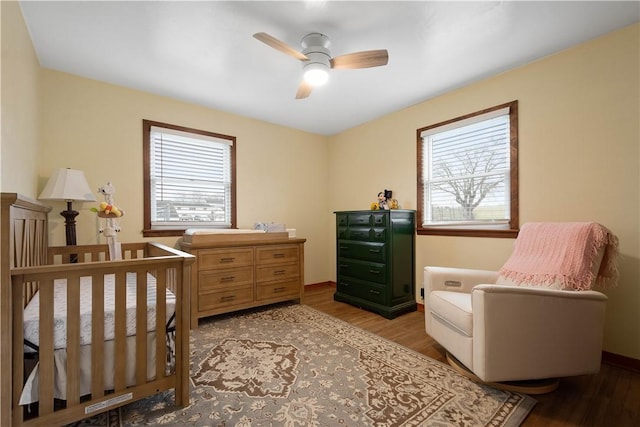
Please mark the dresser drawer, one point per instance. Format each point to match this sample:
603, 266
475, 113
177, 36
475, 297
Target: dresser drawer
369, 271
380, 219
225, 298
379, 234
277, 272
355, 219
368, 291
282, 254
343, 233
225, 258
277, 290
374, 234
359, 233
213, 280
362, 250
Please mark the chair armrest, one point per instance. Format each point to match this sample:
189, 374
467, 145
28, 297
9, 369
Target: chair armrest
455, 279
537, 292
542, 332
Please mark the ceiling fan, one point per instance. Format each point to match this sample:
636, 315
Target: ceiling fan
317, 59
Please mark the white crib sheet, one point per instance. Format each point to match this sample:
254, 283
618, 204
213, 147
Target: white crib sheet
32, 311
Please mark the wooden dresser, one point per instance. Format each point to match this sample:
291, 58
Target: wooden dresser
376, 260
238, 271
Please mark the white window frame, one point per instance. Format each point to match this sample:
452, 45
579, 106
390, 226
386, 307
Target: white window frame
197, 211
502, 225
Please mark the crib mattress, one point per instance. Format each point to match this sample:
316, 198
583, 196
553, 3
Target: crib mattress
32, 310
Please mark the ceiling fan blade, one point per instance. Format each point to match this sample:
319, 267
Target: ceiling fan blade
304, 90
279, 45
365, 59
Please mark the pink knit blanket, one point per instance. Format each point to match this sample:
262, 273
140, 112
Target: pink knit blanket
563, 255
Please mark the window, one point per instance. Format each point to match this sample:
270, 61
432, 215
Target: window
189, 179
468, 174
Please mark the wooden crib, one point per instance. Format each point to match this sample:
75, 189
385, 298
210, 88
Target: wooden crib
153, 276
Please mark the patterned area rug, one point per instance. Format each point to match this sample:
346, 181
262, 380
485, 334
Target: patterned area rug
295, 366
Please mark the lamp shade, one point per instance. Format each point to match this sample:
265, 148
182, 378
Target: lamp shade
67, 184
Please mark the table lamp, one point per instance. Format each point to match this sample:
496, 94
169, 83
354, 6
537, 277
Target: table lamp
69, 185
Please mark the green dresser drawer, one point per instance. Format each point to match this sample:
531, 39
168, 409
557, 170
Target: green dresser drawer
360, 219
359, 233
378, 234
369, 271
343, 233
368, 291
371, 251
380, 219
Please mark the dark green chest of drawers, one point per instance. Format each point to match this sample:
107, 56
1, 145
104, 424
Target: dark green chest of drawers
376, 260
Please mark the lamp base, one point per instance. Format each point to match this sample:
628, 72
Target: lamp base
70, 228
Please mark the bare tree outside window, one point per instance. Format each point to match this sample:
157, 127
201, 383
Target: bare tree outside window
470, 179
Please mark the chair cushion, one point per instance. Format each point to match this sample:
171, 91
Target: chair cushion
454, 308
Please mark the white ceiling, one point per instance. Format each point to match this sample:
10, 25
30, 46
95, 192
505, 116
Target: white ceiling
203, 52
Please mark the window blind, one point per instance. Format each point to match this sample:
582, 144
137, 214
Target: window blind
466, 172
190, 179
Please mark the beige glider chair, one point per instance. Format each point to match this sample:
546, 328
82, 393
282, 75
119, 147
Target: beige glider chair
537, 318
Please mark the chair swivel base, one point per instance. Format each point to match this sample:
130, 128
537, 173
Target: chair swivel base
542, 386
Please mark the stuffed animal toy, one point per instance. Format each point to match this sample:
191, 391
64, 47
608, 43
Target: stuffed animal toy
106, 210
385, 202
110, 212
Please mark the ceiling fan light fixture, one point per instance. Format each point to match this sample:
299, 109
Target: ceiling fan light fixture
316, 74
317, 60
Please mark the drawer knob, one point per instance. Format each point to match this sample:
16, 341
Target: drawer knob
230, 259
374, 292
374, 271
228, 279
227, 298
374, 251
279, 272
280, 289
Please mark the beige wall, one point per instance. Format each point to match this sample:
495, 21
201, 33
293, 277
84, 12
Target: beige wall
578, 158
20, 105
97, 127
19, 135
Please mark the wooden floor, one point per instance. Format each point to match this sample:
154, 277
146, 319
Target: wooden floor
610, 398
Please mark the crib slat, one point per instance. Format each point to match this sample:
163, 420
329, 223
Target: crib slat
18, 361
97, 336
141, 327
19, 243
120, 355
73, 340
46, 348
182, 336
161, 319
